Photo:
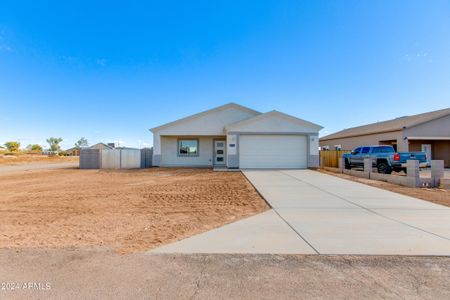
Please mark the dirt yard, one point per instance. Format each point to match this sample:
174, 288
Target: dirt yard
34, 159
127, 211
438, 196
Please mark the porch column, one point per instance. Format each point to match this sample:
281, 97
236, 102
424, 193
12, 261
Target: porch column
402, 144
232, 151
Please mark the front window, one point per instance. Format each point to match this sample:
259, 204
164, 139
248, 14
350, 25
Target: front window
188, 147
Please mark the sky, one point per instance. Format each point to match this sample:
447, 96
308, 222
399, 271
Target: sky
110, 70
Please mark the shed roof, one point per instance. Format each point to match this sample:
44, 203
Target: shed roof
389, 125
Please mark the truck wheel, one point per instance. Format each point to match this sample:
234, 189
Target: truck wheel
384, 168
347, 165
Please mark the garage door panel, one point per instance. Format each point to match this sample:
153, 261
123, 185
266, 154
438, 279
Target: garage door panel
272, 151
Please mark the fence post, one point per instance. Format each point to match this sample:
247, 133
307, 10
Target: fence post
437, 172
341, 165
413, 176
367, 167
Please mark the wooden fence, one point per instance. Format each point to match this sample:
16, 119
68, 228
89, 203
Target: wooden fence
330, 158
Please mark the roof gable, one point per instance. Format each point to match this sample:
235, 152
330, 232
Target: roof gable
100, 145
209, 122
274, 121
389, 125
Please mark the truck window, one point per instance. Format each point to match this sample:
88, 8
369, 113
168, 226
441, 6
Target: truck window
387, 149
365, 150
357, 150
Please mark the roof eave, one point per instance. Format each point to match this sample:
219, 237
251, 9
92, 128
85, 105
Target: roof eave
231, 104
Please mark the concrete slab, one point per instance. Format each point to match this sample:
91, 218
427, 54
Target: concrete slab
394, 201
263, 233
358, 231
337, 216
432, 220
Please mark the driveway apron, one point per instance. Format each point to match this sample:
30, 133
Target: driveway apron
337, 216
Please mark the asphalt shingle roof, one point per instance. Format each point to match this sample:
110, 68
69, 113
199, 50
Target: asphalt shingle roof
390, 125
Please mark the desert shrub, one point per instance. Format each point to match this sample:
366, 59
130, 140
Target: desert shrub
34, 149
12, 146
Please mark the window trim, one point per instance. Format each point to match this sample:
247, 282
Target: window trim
188, 155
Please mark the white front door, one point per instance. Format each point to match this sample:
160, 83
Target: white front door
219, 152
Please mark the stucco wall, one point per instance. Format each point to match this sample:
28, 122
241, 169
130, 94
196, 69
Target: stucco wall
170, 157
232, 151
371, 139
208, 124
435, 128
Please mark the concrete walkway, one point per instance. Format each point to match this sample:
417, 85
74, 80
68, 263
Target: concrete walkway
324, 214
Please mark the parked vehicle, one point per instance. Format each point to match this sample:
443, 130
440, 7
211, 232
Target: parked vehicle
384, 158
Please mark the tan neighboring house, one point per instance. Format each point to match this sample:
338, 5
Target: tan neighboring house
74, 151
428, 132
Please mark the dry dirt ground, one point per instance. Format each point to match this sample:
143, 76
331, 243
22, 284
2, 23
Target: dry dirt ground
438, 196
76, 274
128, 211
34, 159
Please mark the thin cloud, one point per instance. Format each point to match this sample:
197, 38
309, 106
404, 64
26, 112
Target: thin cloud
101, 62
417, 56
4, 46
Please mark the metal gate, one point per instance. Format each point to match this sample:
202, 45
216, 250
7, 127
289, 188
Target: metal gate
116, 158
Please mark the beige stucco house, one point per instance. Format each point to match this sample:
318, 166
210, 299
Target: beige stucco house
235, 136
428, 132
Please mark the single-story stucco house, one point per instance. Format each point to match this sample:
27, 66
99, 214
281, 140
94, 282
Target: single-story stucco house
428, 132
74, 151
235, 136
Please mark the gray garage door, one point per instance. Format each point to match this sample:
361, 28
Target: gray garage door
272, 151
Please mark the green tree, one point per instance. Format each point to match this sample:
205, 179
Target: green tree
54, 143
83, 142
34, 147
12, 146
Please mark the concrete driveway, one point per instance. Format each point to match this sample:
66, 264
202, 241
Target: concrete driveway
315, 213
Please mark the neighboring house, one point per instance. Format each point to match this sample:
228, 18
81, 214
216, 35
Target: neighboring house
74, 151
101, 146
235, 136
427, 132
